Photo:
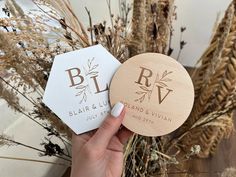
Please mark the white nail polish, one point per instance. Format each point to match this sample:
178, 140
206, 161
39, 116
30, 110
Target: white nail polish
117, 109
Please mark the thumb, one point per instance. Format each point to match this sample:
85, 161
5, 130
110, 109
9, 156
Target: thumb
109, 127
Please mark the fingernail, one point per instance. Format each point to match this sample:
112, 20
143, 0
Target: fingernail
117, 109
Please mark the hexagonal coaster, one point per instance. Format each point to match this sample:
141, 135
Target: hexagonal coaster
77, 89
157, 92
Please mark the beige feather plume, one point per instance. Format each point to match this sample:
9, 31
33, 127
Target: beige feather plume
214, 82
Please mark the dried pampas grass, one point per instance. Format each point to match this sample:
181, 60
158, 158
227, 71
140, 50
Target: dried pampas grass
153, 19
214, 83
211, 117
229, 172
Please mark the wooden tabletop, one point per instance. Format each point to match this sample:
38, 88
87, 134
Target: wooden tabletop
225, 157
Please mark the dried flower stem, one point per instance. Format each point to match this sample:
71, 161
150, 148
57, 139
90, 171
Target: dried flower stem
162, 154
34, 148
62, 22
68, 5
188, 173
33, 160
90, 24
212, 116
170, 49
31, 118
179, 52
111, 16
65, 142
17, 90
181, 42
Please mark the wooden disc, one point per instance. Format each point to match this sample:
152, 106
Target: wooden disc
157, 92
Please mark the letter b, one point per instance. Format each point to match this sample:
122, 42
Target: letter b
76, 74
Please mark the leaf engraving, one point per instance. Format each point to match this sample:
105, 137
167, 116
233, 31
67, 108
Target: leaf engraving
90, 71
146, 93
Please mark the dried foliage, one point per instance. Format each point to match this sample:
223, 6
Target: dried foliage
211, 118
27, 56
9, 96
113, 37
229, 172
4, 140
214, 82
61, 11
153, 19
29, 43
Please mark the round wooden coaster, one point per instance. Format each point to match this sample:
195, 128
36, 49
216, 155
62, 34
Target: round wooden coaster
157, 92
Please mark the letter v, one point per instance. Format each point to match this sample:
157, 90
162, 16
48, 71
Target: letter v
160, 99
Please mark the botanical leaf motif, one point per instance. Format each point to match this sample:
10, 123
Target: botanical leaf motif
90, 62
163, 79
136, 100
94, 67
167, 80
139, 93
162, 84
91, 68
89, 71
79, 93
144, 93
83, 92
157, 78
147, 93
141, 99
164, 74
80, 86
93, 73
144, 88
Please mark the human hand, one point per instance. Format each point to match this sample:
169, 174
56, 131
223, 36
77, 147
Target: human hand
100, 153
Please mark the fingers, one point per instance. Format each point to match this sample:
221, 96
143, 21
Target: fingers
124, 134
109, 127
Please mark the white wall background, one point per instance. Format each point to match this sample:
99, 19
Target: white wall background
198, 16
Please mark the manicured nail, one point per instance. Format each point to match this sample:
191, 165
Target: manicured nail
117, 109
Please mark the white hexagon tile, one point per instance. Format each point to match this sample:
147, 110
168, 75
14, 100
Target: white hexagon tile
77, 89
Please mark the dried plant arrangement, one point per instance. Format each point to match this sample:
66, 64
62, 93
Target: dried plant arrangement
229, 172
211, 118
29, 43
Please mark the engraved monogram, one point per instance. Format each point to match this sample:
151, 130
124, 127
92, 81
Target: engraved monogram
146, 87
79, 80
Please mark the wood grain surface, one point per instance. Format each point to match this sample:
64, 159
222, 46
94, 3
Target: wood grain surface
157, 92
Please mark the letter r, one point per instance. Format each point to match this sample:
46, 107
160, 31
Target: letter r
145, 74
